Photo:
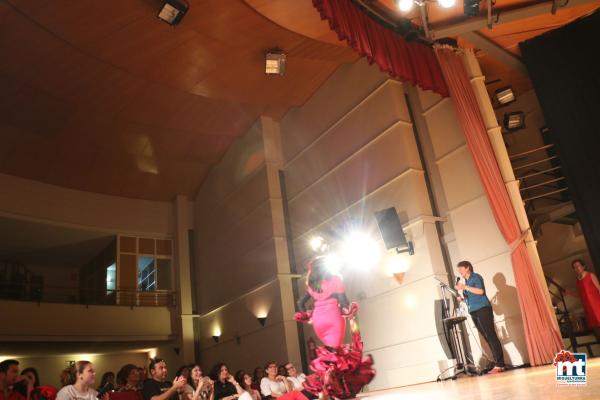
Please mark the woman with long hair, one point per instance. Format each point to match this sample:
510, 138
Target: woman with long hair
226, 387
82, 389
245, 381
108, 379
588, 288
198, 387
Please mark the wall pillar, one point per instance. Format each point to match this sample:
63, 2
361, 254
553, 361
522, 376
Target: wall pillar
183, 223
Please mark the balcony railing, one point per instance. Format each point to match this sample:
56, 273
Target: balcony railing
56, 294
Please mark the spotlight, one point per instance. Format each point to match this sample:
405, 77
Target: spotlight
275, 60
360, 251
405, 5
172, 11
471, 8
505, 95
514, 121
447, 3
334, 263
318, 244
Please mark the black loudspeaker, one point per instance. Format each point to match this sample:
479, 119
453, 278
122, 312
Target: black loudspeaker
391, 229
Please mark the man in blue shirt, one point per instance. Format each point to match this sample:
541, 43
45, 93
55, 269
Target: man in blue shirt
481, 311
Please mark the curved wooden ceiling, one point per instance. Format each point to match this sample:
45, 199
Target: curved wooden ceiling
104, 97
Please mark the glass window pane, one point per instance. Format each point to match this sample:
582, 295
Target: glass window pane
111, 278
164, 274
146, 273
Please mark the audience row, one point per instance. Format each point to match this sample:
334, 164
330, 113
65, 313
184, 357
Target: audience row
135, 383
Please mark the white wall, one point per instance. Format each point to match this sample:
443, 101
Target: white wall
27, 199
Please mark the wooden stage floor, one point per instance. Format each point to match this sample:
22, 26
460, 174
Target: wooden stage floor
525, 383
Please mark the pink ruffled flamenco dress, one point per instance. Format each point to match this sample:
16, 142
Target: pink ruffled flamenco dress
339, 370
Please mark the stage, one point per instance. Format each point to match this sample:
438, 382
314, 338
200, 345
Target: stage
525, 383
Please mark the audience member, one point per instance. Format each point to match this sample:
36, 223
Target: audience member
31, 375
157, 387
107, 383
128, 378
9, 376
197, 383
294, 377
259, 373
226, 387
85, 376
245, 381
274, 385
66, 377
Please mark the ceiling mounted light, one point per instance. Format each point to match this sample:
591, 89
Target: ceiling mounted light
505, 95
172, 11
514, 121
447, 3
405, 5
275, 62
471, 8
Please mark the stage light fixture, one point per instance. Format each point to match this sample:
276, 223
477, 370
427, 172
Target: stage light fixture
471, 8
446, 3
318, 244
172, 11
360, 251
275, 61
505, 95
405, 5
514, 121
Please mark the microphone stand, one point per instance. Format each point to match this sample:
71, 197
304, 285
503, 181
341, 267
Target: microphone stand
456, 345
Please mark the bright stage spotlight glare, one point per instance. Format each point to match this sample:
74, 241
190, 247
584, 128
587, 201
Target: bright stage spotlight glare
360, 251
318, 244
397, 264
405, 5
447, 3
334, 263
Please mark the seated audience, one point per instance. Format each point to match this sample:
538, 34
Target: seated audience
198, 387
274, 385
294, 377
128, 378
9, 376
107, 383
85, 376
66, 377
259, 373
245, 381
226, 387
31, 375
157, 387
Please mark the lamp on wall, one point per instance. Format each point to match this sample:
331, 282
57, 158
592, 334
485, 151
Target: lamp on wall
262, 320
216, 338
504, 96
275, 61
172, 11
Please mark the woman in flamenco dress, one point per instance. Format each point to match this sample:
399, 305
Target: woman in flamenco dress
589, 292
339, 370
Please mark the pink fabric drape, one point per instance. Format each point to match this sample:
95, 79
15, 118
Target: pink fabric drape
541, 332
408, 62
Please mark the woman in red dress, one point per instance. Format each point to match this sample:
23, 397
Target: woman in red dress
589, 291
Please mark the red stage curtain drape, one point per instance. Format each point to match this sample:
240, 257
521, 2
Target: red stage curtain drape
408, 62
541, 332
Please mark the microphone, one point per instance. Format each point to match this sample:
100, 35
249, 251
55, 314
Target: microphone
457, 280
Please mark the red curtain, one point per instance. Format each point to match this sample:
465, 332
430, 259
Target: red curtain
541, 332
408, 62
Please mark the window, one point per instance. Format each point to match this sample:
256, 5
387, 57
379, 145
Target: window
111, 278
146, 274
163, 273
